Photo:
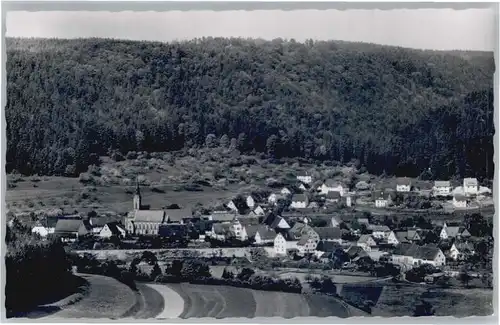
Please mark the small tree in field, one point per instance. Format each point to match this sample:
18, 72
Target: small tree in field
155, 272
465, 278
226, 274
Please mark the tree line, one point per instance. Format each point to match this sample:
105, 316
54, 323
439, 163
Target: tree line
394, 110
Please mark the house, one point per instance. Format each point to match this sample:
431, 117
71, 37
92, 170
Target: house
465, 248
460, 201
470, 186
45, 227
302, 187
362, 221
283, 243
329, 234
453, 252
414, 255
378, 231
97, 223
221, 231
238, 205
453, 232
442, 188
328, 246
313, 205
333, 196
382, 199
112, 229
173, 231
272, 198
403, 184
330, 185
306, 179
279, 223
348, 200
250, 202
145, 222
356, 252
299, 201
238, 230
390, 238
71, 229
259, 211
407, 236
300, 229
178, 215
285, 191
307, 244
264, 235
366, 242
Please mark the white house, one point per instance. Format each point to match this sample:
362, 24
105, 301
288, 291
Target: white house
391, 238
348, 201
414, 256
307, 179
459, 201
259, 211
442, 188
454, 253
45, 228
302, 187
273, 198
112, 229
264, 236
335, 221
470, 186
250, 202
285, 191
382, 199
403, 184
307, 244
330, 186
378, 231
299, 201
232, 206
282, 244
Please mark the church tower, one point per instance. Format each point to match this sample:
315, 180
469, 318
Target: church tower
137, 196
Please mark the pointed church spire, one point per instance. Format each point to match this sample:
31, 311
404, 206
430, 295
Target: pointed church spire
137, 189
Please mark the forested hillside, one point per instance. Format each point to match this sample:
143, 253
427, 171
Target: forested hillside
396, 110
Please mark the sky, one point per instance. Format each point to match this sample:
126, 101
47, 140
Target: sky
437, 29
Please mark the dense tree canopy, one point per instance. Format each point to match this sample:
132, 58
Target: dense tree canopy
396, 110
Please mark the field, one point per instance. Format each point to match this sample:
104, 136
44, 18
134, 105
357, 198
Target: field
225, 301
107, 298
400, 300
151, 302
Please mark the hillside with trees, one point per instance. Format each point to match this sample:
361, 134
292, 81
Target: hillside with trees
394, 110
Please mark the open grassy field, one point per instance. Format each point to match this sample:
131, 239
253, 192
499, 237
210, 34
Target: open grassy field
401, 301
106, 298
152, 303
225, 301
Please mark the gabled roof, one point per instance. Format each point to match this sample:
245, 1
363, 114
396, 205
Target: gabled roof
299, 229
328, 246
115, 227
275, 224
176, 215
299, 198
328, 232
364, 239
401, 236
154, 216
442, 184
252, 229
403, 181
452, 231
356, 251
412, 233
247, 221
333, 195
303, 240
428, 253
363, 220
68, 225
381, 195
332, 183
460, 197
222, 228
266, 234
223, 216
402, 248
100, 221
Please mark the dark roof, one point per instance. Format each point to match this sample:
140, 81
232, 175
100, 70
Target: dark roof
222, 228
328, 246
252, 229
442, 183
333, 195
68, 225
378, 228
426, 252
377, 195
266, 233
333, 183
153, 216
247, 221
364, 238
460, 197
402, 248
299, 198
100, 221
328, 232
363, 220
176, 215
113, 227
276, 222
303, 240
403, 181
356, 251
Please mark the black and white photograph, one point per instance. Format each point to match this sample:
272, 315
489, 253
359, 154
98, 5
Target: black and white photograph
236, 163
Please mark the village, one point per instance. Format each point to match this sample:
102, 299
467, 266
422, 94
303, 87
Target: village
329, 224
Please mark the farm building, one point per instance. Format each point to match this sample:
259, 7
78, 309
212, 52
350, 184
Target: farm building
403, 184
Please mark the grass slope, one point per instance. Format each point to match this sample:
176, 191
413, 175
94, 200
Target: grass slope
107, 298
225, 301
152, 302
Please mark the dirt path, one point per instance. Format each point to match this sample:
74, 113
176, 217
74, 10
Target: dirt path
173, 302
